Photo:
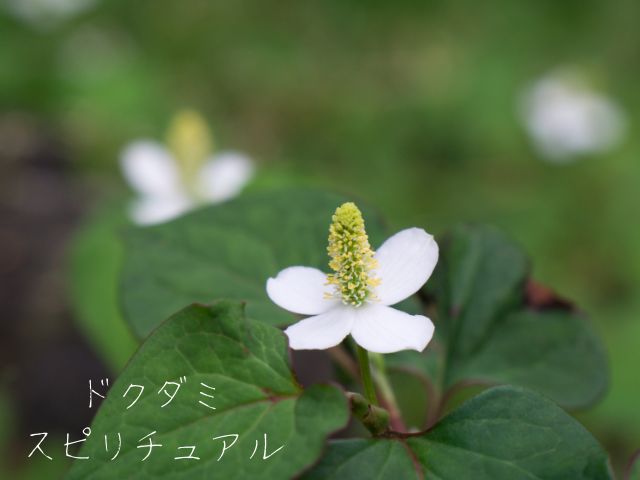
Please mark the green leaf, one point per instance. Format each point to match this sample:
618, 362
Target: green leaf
246, 361
95, 258
491, 335
364, 458
228, 251
427, 364
553, 353
479, 276
504, 433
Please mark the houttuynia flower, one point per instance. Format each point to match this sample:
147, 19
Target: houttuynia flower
356, 298
171, 181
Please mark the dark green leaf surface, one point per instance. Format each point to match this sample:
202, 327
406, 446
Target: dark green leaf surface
480, 275
553, 353
228, 251
255, 394
366, 459
504, 433
491, 335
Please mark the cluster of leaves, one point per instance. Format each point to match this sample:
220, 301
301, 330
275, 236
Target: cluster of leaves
531, 356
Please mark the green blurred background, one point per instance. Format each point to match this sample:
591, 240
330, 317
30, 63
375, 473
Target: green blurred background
412, 106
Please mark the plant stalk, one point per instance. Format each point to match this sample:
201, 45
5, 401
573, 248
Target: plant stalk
365, 375
387, 397
375, 419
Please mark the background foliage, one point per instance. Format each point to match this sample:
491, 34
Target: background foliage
410, 105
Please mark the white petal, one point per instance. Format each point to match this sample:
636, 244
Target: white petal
150, 169
405, 263
224, 176
386, 330
322, 331
151, 210
43, 14
565, 119
300, 290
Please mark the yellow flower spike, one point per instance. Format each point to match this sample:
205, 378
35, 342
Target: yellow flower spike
351, 257
189, 139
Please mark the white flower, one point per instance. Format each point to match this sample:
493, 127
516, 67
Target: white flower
356, 298
43, 14
171, 181
565, 119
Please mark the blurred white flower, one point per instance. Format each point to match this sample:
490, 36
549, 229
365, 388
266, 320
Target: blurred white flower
357, 298
565, 119
171, 180
43, 14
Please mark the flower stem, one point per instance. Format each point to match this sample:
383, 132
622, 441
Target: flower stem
388, 398
375, 419
365, 375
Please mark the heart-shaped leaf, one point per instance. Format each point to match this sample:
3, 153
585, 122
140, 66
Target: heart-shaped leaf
492, 335
228, 251
230, 376
504, 433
